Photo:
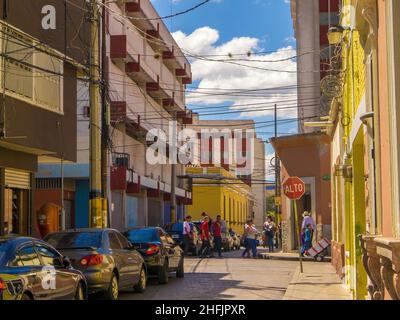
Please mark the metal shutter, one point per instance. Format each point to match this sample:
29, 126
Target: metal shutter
17, 179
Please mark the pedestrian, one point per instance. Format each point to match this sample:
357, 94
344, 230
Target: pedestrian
203, 215
307, 239
250, 239
187, 234
270, 230
217, 226
307, 220
205, 238
246, 243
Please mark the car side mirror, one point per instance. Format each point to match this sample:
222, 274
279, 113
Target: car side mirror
66, 262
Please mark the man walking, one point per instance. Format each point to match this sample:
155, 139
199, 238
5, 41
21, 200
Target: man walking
217, 225
307, 220
187, 234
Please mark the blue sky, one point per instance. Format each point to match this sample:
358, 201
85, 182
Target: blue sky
268, 20
238, 26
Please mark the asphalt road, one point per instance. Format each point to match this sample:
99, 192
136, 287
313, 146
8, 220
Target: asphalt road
230, 277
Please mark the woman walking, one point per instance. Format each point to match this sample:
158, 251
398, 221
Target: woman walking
250, 233
270, 230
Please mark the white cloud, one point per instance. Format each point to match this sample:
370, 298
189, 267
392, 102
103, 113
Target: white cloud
211, 74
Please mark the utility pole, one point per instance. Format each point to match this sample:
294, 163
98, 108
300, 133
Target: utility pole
276, 161
173, 157
104, 121
96, 219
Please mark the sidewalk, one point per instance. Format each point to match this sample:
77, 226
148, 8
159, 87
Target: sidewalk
318, 282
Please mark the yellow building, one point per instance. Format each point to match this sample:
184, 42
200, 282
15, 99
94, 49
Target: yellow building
217, 191
349, 125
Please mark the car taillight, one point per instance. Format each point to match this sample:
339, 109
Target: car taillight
152, 249
3, 285
92, 260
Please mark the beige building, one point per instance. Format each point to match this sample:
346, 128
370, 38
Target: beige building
147, 75
252, 173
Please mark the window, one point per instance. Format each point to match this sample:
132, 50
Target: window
124, 242
70, 240
49, 256
163, 237
114, 243
41, 85
27, 256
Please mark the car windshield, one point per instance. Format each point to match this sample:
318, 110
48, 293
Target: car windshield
74, 240
177, 226
142, 235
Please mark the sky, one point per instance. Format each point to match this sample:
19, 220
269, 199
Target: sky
239, 27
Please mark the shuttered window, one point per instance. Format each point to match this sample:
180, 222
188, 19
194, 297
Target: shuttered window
41, 86
17, 179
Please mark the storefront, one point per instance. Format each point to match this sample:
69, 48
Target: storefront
15, 201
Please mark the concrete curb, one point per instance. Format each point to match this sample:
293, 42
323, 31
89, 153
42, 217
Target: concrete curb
289, 258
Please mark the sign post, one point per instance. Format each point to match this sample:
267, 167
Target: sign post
294, 189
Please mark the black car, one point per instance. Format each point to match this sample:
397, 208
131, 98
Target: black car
105, 257
31, 269
176, 232
160, 252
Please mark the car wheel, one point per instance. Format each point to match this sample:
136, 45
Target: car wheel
140, 287
163, 273
113, 289
80, 292
26, 296
180, 272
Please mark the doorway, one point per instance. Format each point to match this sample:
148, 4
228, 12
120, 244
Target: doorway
16, 211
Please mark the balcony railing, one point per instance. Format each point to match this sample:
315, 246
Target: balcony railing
381, 260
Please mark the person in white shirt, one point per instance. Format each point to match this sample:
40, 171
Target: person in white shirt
187, 234
250, 236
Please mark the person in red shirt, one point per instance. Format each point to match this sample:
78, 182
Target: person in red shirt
217, 225
205, 238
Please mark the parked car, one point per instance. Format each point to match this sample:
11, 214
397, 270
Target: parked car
31, 269
176, 232
106, 258
160, 252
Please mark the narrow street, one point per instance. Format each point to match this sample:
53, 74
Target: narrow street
229, 278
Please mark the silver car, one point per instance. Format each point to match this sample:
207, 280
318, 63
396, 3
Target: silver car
105, 257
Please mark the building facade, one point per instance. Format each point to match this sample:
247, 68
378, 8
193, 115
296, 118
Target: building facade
219, 192
311, 21
39, 74
307, 154
219, 145
146, 74
364, 134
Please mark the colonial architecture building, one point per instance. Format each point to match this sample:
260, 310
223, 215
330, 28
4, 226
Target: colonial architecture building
39, 67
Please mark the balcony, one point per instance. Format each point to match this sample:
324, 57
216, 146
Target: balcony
381, 259
124, 178
135, 127
157, 34
161, 85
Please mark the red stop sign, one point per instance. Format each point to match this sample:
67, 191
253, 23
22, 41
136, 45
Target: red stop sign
294, 188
